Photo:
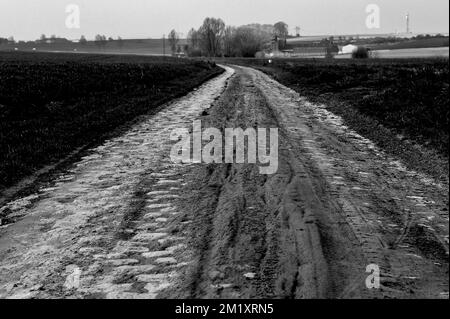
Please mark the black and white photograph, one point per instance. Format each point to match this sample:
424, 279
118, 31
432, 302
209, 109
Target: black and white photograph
224, 155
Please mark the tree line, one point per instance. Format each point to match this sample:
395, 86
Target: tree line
214, 38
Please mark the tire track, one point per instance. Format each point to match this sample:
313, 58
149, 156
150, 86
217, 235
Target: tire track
378, 197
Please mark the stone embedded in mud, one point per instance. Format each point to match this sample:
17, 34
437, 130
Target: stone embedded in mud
155, 277
169, 181
5, 211
147, 226
153, 254
152, 215
133, 270
149, 236
172, 249
90, 250
222, 286
250, 275
121, 262
155, 289
156, 193
158, 206
166, 260
129, 295
115, 256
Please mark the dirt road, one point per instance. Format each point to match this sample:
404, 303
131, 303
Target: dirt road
125, 222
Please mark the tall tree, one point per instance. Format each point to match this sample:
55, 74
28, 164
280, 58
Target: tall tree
211, 36
281, 30
173, 40
193, 39
229, 49
281, 33
83, 40
247, 42
100, 40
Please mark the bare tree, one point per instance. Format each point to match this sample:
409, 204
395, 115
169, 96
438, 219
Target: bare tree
247, 42
281, 30
214, 38
173, 40
228, 42
83, 40
193, 39
211, 36
100, 40
281, 33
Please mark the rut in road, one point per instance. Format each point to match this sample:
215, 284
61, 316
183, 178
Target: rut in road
109, 227
399, 217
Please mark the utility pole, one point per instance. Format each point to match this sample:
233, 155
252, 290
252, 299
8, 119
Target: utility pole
164, 45
408, 30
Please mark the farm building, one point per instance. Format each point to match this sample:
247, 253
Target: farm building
318, 46
348, 49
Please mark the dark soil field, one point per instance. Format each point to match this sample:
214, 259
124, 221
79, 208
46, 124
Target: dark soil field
399, 104
52, 104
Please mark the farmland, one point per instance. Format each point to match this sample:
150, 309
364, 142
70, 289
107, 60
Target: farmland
52, 104
388, 101
137, 46
438, 42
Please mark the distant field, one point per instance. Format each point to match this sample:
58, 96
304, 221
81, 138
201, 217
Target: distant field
414, 44
144, 46
413, 53
440, 52
51, 104
410, 97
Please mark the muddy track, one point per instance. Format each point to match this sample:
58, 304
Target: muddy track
336, 205
126, 222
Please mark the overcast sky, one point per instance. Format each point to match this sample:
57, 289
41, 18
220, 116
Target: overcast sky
28, 19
